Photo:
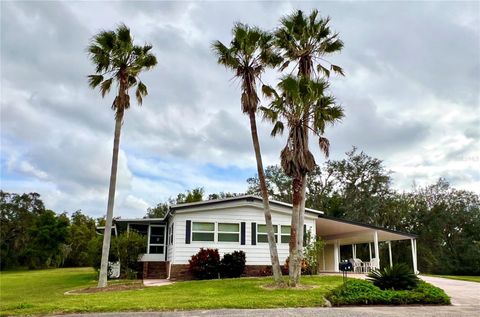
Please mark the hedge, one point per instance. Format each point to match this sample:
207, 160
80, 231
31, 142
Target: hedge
361, 292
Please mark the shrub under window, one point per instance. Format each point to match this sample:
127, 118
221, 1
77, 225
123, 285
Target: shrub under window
205, 264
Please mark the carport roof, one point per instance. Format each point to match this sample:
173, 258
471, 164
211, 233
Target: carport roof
350, 232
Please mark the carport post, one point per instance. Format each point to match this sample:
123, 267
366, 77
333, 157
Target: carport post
377, 253
414, 255
390, 252
336, 255
370, 250
354, 251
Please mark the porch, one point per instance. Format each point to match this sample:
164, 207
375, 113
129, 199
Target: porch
339, 233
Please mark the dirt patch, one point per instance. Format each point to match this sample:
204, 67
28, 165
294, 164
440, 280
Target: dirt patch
285, 286
111, 288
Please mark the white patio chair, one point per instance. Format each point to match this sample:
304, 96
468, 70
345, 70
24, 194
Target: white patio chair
357, 266
375, 264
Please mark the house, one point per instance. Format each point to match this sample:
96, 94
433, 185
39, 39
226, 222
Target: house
238, 223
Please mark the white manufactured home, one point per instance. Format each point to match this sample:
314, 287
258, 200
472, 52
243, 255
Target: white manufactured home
238, 223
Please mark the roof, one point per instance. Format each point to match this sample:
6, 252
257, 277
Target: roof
247, 198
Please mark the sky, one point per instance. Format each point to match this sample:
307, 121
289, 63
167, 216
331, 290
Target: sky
411, 96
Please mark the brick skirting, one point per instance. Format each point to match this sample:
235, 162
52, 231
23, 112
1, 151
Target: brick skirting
180, 272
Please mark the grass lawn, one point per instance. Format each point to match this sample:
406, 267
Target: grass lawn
42, 292
459, 277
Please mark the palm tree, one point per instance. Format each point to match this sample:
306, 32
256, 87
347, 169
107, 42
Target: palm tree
306, 41
301, 103
117, 60
249, 54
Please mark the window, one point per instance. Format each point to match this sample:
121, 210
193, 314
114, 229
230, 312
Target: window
228, 232
262, 236
203, 231
170, 235
156, 242
285, 234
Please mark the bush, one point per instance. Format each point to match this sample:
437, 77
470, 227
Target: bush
397, 277
305, 266
205, 264
361, 292
125, 248
232, 264
311, 252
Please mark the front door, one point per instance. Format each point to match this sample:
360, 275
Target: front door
156, 242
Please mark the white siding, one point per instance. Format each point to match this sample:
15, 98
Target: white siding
252, 212
170, 247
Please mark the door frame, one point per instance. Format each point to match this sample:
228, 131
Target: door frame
164, 254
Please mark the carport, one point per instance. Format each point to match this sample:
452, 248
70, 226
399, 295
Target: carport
338, 232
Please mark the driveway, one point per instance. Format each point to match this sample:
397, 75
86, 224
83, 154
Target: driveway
460, 292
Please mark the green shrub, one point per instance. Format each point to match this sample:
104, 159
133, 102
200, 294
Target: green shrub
126, 248
361, 292
232, 264
397, 277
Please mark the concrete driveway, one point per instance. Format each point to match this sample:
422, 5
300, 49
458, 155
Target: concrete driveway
461, 292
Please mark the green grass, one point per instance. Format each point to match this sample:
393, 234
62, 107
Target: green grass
459, 277
42, 292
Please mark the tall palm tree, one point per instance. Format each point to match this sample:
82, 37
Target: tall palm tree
249, 54
307, 41
117, 60
301, 103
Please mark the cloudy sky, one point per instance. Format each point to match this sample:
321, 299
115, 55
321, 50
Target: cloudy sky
411, 97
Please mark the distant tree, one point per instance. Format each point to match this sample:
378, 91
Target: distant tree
364, 183
161, 209
223, 195
191, 196
249, 54
82, 231
48, 233
18, 214
117, 60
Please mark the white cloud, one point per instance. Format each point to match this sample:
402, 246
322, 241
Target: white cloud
411, 98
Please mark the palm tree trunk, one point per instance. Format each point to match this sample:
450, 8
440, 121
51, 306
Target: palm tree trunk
276, 270
301, 220
294, 265
102, 279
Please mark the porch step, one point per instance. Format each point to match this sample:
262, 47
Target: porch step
154, 270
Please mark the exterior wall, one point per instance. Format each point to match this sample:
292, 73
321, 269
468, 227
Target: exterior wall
171, 247
258, 254
328, 257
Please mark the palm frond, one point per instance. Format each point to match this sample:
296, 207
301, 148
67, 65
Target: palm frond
94, 80
141, 92
323, 70
105, 86
277, 128
337, 69
324, 145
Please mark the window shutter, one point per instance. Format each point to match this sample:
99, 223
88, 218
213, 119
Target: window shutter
188, 230
242, 233
254, 233
304, 235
